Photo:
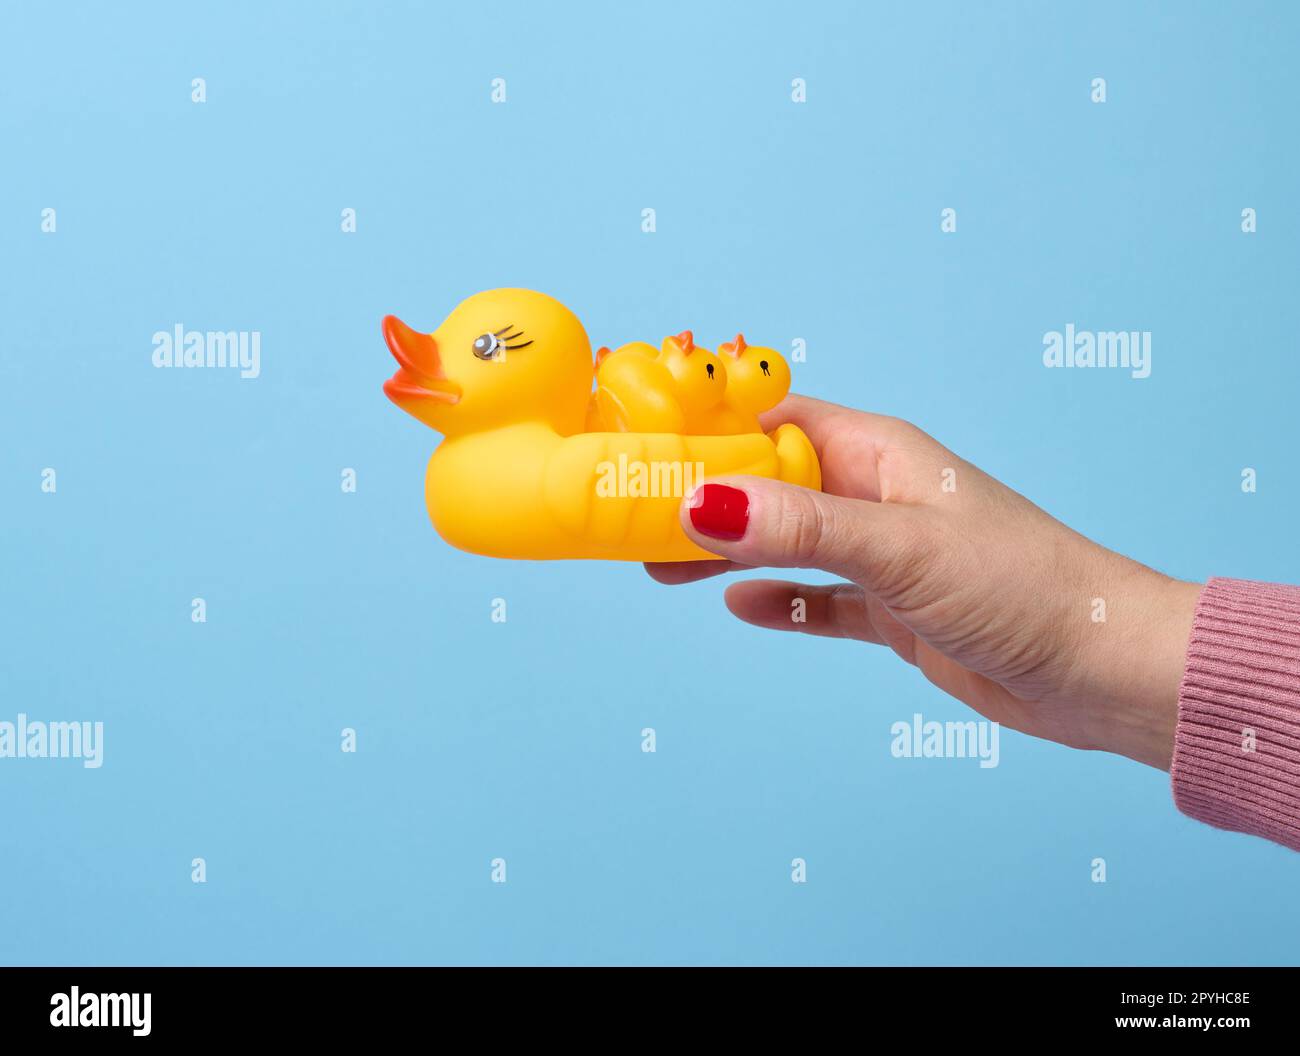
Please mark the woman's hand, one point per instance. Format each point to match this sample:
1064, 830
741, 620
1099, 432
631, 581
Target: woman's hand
996, 602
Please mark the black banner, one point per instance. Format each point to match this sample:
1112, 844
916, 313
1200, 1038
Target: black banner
338, 1005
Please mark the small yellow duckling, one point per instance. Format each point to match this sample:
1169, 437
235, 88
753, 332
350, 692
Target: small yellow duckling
635, 393
757, 380
672, 391
699, 377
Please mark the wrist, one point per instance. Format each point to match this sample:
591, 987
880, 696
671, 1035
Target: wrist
1144, 659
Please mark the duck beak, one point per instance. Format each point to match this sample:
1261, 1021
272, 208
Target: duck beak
420, 375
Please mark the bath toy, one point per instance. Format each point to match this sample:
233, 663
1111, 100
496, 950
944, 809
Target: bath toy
522, 473
757, 380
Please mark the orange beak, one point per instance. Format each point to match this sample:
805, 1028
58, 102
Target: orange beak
420, 375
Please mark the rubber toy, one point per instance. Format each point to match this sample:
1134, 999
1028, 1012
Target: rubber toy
537, 465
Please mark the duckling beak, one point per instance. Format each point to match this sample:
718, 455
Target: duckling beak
420, 375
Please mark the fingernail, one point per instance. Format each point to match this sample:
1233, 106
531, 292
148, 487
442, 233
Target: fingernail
719, 511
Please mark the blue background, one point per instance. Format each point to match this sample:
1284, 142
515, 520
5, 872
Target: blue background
522, 740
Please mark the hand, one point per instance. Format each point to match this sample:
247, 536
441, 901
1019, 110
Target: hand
994, 600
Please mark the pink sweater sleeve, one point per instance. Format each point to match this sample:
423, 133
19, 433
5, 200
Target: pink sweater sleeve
1237, 745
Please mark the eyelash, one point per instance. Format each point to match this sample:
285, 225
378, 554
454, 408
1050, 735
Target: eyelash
503, 337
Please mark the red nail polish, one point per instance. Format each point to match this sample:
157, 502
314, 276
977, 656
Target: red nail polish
720, 511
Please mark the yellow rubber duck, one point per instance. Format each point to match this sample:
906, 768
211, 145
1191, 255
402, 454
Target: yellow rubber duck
506, 378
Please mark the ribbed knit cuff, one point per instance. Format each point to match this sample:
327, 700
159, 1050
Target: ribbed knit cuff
1237, 746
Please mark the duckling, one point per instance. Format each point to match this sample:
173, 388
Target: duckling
506, 378
635, 393
672, 391
757, 380
700, 378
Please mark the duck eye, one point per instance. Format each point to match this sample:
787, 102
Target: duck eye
763, 366
487, 346
709, 368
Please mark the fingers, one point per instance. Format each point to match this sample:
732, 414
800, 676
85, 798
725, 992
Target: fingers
822, 420
675, 573
865, 456
756, 521
837, 610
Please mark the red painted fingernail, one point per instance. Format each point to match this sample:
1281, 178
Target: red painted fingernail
719, 511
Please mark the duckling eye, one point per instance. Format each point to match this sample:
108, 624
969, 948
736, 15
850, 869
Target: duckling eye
487, 346
762, 363
709, 368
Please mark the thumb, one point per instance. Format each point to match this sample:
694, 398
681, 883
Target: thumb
758, 521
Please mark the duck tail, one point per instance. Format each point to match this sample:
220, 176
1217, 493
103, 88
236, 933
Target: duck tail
796, 457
